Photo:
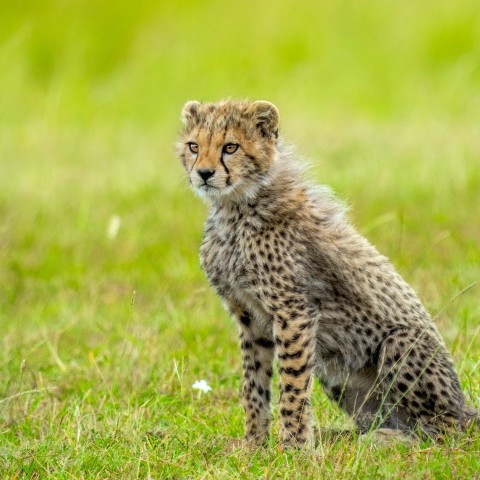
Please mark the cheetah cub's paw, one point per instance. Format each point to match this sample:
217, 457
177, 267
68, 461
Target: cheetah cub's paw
388, 437
290, 442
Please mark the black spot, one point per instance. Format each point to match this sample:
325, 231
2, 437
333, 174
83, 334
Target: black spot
336, 392
305, 325
420, 394
402, 387
429, 405
264, 342
306, 384
245, 319
295, 337
295, 372
284, 356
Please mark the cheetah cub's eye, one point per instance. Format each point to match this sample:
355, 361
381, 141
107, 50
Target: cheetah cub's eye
193, 147
230, 148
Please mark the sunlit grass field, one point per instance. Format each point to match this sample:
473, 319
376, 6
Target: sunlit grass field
106, 318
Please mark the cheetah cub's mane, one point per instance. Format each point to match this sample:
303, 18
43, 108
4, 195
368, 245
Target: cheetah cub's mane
309, 290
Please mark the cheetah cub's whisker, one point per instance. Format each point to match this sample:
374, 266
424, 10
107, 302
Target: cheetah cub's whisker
304, 285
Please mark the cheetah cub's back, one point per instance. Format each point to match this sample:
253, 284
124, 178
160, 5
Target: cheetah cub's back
306, 287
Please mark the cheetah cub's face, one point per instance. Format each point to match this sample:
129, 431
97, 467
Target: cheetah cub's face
228, 148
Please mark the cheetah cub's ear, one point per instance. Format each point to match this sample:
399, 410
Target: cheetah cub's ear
190, 111
266, 117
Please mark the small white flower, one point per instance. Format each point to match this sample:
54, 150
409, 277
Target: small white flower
113, 226
202, 385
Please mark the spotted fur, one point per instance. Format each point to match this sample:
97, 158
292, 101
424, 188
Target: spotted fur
306, 287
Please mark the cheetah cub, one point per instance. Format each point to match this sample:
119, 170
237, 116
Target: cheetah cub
306, 287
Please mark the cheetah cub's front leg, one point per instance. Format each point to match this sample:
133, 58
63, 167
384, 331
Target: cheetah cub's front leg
257, 348
295, 340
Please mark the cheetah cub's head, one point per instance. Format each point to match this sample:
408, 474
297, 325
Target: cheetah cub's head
228, 148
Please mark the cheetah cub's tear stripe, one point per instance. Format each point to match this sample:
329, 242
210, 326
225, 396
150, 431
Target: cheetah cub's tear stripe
305, 287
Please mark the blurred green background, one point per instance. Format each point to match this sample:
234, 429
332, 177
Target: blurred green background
382, 96
75, 61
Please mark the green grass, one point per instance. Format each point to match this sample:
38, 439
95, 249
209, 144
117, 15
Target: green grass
103, 338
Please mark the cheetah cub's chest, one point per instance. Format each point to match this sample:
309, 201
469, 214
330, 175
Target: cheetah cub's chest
223, 253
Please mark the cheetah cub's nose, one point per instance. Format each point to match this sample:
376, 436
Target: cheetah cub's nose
205, 173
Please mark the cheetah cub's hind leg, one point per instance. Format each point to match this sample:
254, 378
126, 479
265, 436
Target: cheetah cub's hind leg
420, 390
